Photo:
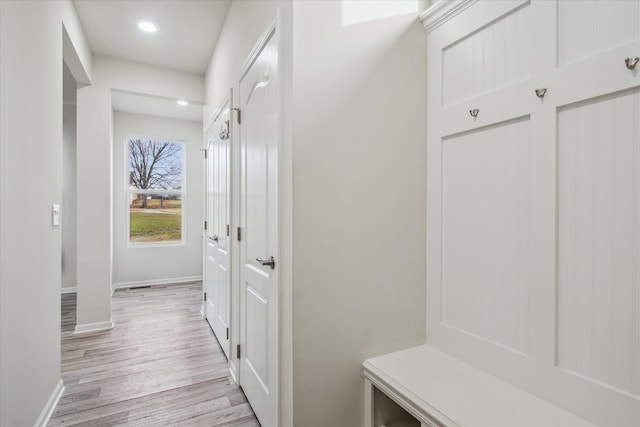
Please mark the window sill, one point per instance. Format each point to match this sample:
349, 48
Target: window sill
155, 245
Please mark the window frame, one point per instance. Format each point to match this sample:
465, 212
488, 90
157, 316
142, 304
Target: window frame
128, 192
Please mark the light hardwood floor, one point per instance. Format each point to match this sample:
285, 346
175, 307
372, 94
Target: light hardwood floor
159, 366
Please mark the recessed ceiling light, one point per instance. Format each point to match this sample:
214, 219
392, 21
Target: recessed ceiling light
147, 26
182, 102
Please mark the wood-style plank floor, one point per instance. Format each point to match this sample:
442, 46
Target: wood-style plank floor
159, 366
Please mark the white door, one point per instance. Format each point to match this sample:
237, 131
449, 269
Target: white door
258, 97
217, 268
209, 264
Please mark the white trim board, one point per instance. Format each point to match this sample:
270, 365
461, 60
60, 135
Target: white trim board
442, 12
50, 406
93, 327
69, 290
153, 282
442, 390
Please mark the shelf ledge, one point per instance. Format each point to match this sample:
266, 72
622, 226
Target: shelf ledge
441, 390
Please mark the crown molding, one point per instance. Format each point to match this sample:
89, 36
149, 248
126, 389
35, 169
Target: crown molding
443, 11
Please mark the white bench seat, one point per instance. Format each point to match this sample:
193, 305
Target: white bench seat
440, 390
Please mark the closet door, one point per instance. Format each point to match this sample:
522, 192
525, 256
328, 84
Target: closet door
210, 263
217, 276
222, 226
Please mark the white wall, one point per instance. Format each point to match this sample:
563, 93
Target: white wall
358, 119
359, 203
68, 207
31, 53
140, 264
95, 166
76, 51
245, 22
148, 79
93, 212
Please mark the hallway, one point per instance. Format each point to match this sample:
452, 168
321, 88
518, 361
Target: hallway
159, 365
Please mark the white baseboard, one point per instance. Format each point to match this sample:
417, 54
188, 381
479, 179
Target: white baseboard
93, 327
69, 289
232, 372
140, 283
50, 406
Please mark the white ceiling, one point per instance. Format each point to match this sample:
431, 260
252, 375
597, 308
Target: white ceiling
186, 36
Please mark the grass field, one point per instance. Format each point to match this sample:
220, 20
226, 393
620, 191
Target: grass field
156, 204
158, 226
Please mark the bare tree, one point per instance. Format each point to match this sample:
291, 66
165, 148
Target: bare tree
154, 165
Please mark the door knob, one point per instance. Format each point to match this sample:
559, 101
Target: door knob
214, 237
270, 262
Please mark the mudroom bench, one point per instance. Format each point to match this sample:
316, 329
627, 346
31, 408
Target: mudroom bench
425, 387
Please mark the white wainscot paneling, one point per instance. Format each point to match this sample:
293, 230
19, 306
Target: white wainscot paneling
599, 240
485, 243
490, 58
586, 28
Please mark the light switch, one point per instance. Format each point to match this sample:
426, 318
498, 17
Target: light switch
55, 215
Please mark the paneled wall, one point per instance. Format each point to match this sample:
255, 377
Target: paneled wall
599, 240
533, 197
489, 58
485, 216
586, 28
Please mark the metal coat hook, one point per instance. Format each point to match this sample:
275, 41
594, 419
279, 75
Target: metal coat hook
631, 63
474, 112
224, 131
541, 92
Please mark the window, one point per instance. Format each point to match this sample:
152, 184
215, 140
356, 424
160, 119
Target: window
155, 191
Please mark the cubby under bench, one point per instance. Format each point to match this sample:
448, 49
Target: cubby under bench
425, 387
